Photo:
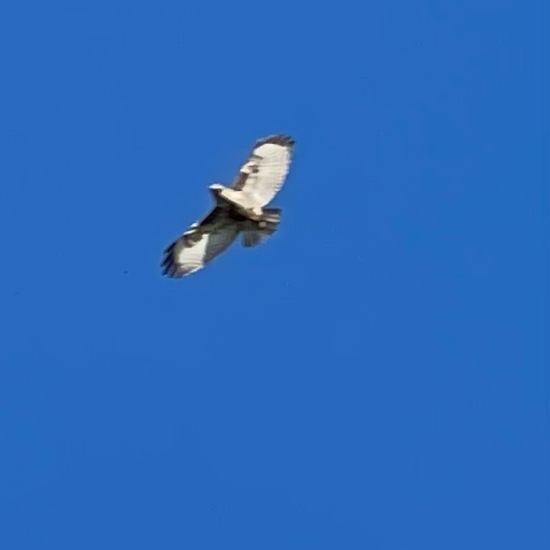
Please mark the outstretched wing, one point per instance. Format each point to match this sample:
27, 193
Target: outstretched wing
202, 242
265, 171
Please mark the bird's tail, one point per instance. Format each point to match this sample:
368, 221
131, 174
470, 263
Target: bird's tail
263, 228
270, 219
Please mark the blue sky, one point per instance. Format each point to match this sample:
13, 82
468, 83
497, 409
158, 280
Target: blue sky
374, 376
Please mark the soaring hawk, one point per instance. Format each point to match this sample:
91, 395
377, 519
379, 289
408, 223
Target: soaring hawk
240, 208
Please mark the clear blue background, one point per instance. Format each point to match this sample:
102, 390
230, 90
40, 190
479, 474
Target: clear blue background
374, 376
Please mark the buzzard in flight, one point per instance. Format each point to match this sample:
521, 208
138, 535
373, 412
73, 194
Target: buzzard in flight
240, 208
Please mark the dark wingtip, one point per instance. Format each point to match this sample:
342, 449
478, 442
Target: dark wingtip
285, 140
168, 265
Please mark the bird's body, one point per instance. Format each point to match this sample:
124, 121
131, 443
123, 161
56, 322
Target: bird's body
239, 209
237, 200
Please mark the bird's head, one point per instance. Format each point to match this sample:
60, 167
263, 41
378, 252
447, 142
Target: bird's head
216, 188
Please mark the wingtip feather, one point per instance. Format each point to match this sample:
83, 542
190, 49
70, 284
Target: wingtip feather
284, 140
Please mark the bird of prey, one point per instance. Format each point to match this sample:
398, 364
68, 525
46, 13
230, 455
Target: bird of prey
240, 208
